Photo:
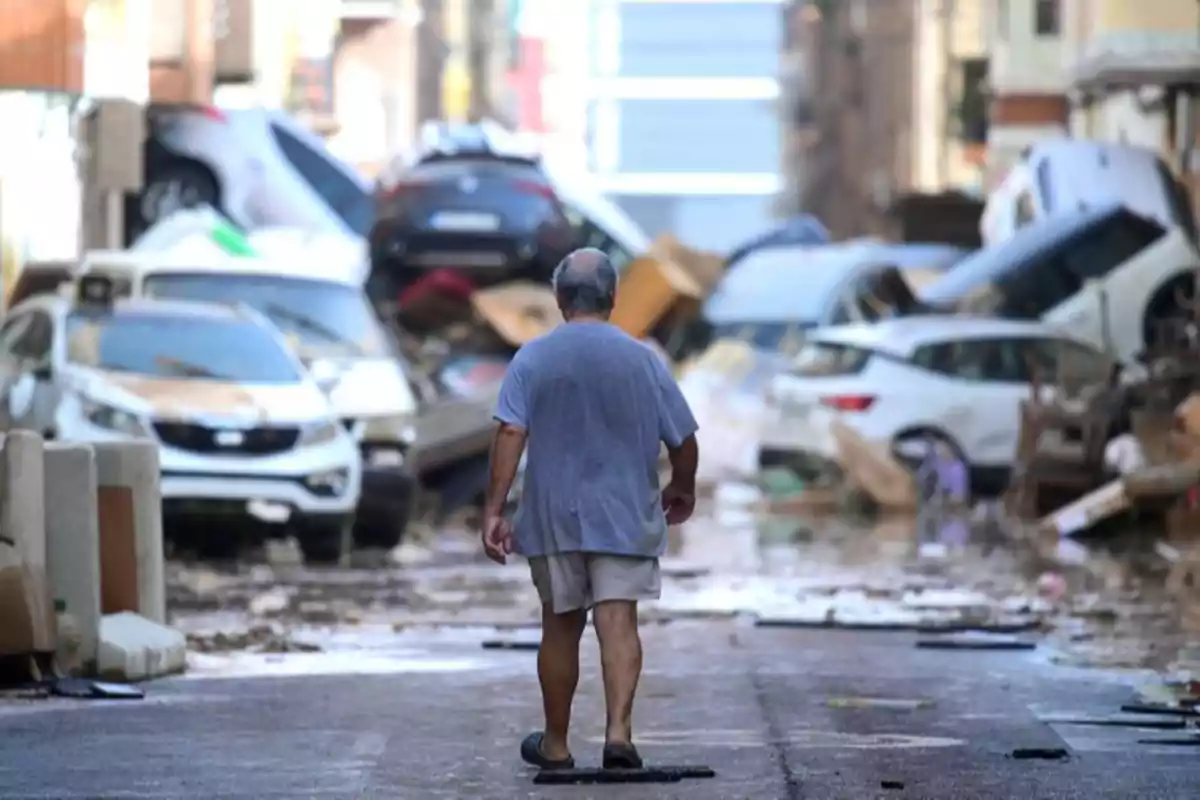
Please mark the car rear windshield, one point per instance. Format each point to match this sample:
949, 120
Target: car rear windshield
324, 318
830, 359
345, 197
167, 346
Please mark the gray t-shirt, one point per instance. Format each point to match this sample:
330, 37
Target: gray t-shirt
596, 403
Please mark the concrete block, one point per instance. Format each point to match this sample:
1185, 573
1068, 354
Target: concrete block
133, 648
27, 620
73, 544
129, 504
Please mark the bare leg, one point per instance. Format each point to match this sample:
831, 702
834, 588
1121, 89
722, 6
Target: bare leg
558, 672
621, 660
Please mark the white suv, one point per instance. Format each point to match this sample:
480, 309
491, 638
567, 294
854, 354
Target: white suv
243, 430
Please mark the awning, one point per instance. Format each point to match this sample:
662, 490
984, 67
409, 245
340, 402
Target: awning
1114, 71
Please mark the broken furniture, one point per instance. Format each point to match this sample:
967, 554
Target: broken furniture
1064, 427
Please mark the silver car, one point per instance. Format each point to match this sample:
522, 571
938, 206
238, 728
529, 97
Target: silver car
259, 167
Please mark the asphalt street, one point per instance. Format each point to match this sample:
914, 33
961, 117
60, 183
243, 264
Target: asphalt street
778, 713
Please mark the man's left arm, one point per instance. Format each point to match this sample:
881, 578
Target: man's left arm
508, 443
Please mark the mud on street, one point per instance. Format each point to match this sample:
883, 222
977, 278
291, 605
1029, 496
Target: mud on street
733, 560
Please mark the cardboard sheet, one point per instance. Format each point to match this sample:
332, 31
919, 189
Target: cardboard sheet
518, 311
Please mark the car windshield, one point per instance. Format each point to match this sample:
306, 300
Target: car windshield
769, 336
1024, 247
321, 317
173, 346
784, 285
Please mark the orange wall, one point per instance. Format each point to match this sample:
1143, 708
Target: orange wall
41, 45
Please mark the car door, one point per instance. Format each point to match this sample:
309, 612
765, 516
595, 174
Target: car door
987, 378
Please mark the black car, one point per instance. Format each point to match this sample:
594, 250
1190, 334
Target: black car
465, 205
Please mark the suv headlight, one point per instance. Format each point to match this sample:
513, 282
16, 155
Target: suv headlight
319, 433
105, 416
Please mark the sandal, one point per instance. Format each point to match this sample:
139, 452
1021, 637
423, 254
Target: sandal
621, 755
531, 753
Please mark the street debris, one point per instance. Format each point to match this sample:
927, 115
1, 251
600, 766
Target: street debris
886, 703
1040, 753
975, 641
499, 644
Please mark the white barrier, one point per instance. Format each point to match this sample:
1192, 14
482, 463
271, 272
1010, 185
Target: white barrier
73, 547
83, 524
27, 619
129, 510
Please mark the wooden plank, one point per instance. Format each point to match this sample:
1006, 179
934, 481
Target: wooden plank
1100, 504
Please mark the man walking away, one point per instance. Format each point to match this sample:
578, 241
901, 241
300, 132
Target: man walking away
593, 404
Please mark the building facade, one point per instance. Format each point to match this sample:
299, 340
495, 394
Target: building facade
1134, 76
1030, 42
950, 107
858, 151
682, 116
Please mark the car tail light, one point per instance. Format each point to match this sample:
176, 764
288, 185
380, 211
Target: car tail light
848, 402
534, 187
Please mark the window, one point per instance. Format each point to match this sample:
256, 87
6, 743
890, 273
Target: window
12, 331
976, 360
347, 199
1043, 186
699, 40
325, 318
1033, 291
1047, 21
33, 341
973, 100
233, 350
1026, 212
1102, 248
590, 235
690, 135
817, 359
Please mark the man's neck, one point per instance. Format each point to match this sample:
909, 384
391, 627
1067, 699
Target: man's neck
587, 318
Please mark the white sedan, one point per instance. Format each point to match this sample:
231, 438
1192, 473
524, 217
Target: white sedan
904, 381
260, 167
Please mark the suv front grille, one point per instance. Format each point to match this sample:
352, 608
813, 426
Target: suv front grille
262, 441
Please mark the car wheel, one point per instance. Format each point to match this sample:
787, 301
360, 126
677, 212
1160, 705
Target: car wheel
175, 186
325, 542
908, 446
1169, 310
380, 534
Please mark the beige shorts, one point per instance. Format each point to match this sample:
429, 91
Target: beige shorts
571, 581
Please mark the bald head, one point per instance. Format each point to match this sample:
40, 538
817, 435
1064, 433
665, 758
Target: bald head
585, 282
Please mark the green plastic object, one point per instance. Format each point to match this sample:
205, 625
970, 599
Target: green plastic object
780, 482
232, 241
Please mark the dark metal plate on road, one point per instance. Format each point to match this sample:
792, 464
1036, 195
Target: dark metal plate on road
584, 775
768, 622
496, 644
1040, 753
966, 642
1156, 708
